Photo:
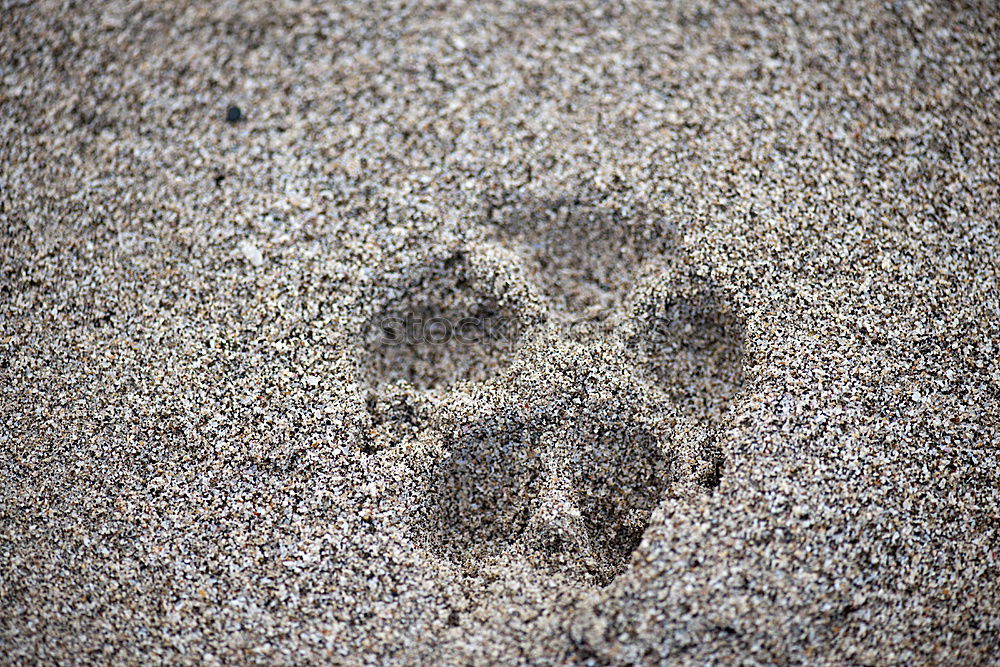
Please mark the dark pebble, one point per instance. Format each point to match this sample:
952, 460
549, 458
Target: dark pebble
233, 114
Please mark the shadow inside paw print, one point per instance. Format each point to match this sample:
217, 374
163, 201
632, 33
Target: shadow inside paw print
582, 255
689, 342
619, 475
443, 328
486, 490
568, 490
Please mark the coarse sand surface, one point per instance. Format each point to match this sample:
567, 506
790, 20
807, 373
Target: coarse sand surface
599, 333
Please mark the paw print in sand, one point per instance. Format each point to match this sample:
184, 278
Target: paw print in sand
555, 445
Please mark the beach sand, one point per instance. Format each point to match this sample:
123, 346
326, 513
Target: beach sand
730, 277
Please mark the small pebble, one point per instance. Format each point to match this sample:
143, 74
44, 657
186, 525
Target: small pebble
251, 252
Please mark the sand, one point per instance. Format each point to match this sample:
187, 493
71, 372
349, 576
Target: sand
730, 277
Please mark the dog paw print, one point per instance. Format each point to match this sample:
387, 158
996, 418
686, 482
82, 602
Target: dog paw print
554, 446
